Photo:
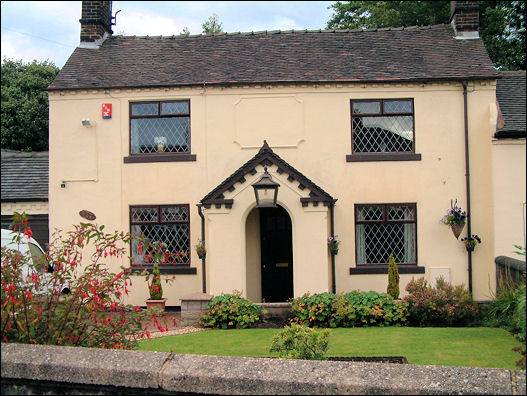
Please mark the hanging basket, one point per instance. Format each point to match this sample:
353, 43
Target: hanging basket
457, 229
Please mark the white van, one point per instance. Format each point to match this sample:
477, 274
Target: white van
29, 247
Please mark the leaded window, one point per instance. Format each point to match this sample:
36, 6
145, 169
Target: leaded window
168, 224
382, 126
384, 229
160, 127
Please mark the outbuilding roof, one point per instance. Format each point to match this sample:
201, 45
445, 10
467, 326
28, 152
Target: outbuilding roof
510, 92
24, 176
430, 53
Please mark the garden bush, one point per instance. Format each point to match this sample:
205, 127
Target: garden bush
229, 311
348, 310
444, 305
301, 342
507, 310
92, 314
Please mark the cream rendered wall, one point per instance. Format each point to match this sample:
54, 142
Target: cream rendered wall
309, 127
508, 160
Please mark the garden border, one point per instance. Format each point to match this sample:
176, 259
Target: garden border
26, 367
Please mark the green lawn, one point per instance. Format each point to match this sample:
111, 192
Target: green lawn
473, 346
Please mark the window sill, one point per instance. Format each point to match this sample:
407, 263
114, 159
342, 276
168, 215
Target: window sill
383, 269
167, 269
159, 158
383, 157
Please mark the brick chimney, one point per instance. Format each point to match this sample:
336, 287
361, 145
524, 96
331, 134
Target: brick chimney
96, 22
464, 17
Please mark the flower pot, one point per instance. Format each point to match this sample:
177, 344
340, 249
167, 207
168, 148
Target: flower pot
160, 147
202, 256
156, 303
470, 248
334, 252
457, 229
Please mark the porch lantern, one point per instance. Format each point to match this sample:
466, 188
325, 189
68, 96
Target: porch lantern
266, 191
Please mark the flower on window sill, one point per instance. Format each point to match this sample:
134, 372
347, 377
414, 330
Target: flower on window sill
471, 242
455, 215
160, 140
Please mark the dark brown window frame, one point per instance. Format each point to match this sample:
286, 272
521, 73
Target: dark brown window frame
158, 157
181, 268
387, 156
381, 268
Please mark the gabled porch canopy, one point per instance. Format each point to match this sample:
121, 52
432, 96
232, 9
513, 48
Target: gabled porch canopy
266, 157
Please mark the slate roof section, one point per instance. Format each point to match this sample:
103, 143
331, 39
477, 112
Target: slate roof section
24, 176
510, 92
428, 53
266, 157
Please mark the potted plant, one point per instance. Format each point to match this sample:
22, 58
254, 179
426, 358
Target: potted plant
471, 242
333, 244
200, 249
156, 291
161, 142
455, 219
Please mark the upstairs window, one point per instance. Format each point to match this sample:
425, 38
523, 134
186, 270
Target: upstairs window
382, 126
158, 128
384, 229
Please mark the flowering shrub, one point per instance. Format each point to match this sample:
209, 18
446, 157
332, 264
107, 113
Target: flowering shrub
92, 314
444, 305
455, 215
348, 310
301, 342
229, 311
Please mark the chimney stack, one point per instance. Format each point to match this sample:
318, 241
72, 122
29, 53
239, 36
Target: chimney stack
464, 17
96, 23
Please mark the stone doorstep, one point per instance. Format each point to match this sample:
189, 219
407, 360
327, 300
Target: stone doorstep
240, 375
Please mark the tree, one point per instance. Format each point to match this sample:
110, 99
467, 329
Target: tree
501, 23
212, 25
24, 123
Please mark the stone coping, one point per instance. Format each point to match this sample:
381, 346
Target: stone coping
275, 305
169, 372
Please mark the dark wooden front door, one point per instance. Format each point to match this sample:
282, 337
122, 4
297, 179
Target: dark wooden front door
277, 254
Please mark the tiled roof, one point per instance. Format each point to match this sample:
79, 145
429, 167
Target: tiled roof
24, 176
393, 54
510, 92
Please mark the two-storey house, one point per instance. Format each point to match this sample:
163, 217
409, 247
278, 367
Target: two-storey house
368, 136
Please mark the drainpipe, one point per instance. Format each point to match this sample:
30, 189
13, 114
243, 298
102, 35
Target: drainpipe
203, 271
332, 225
467, 176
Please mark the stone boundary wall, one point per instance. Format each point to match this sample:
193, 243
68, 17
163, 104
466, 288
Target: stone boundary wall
25, 368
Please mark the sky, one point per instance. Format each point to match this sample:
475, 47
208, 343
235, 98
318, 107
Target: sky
49, 30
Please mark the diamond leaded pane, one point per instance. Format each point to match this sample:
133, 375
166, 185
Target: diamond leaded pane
143, 215
382, 134
370, 213
397, 106
174, 214
174, 107
174, 236
144, 109
375, 243
401, 212
366, 107
153, 135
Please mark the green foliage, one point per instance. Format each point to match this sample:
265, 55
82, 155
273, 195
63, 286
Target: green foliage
347, 310
301, 342
229, 311
156, 290
24, 120
92, 314
501, 23
393, 278
212, 25
444, 305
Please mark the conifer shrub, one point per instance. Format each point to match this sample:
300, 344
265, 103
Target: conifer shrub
301, 342
393, 278
156, 291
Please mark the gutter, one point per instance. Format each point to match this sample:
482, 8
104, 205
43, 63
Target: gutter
332, 225
467, 176
203, 270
